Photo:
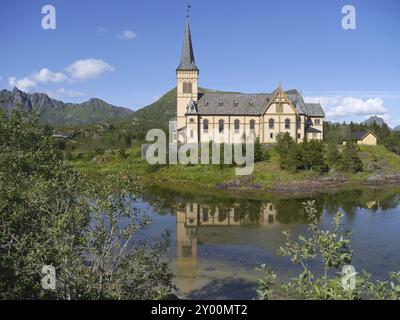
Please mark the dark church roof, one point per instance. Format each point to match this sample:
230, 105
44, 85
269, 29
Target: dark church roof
313, 130
249, 104
187, 57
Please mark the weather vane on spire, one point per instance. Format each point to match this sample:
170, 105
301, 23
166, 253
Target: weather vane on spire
188, 10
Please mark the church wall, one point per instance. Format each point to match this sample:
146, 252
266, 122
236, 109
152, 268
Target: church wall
270, 134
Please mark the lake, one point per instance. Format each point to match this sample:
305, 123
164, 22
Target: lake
217, 241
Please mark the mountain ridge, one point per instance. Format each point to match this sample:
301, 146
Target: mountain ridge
59, 113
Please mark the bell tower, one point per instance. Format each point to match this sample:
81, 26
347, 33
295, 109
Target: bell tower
187, 75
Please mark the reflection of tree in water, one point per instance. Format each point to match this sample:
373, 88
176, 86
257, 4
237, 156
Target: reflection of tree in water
250, 209
291, 210
373, 199
288, 210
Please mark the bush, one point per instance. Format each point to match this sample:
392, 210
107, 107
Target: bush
332, 249
50, 215
260, 152
350, 160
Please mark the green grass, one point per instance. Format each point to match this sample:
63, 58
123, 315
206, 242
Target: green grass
266, 174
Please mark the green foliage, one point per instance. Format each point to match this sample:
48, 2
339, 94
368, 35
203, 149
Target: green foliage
122, 153
50, 215
260, 153
332, 155
332, 249
285, 144
308, 155
350, 160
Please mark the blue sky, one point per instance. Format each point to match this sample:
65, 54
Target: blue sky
126, 52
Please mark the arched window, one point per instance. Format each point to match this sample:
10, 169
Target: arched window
221, 125
252, 125
287, 123
237, 126
298, 122
205, 126
271, 123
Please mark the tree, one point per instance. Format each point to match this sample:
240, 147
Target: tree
350, 160
283, 146
332, 155
312, 155
50, 215
260, 153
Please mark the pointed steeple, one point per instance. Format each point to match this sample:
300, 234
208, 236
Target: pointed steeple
187, 56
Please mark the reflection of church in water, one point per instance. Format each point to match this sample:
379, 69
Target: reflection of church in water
191, 216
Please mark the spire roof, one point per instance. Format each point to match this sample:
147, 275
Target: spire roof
187, 57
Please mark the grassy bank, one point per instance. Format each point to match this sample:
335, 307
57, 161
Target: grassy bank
266, 175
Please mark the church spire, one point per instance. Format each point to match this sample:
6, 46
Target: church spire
187, 56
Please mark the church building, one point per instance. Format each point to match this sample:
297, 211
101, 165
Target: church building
230, 117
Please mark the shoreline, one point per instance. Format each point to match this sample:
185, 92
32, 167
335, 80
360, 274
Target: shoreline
324, 184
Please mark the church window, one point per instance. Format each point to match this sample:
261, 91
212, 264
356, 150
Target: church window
187, 87
205, 126
287, 124
252, 125
271, 123
221, 125
237, 126
191, 120
271, 135
317, 122
191, 133
205, 214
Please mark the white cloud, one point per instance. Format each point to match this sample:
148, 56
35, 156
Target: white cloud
78, 70
350, 106
324, 100
127, 35
23, 84
340, 106
65, 93
45, 76
88, 69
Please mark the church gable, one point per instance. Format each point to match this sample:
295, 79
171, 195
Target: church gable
279, 104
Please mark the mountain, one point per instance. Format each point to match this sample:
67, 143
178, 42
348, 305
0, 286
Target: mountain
396, 128
370, 121
58, 113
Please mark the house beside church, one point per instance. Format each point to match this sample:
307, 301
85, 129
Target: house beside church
230, 117
364, 138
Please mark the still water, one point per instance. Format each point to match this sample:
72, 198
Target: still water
217, 241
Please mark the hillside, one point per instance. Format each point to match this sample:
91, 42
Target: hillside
58, 113
164, 109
